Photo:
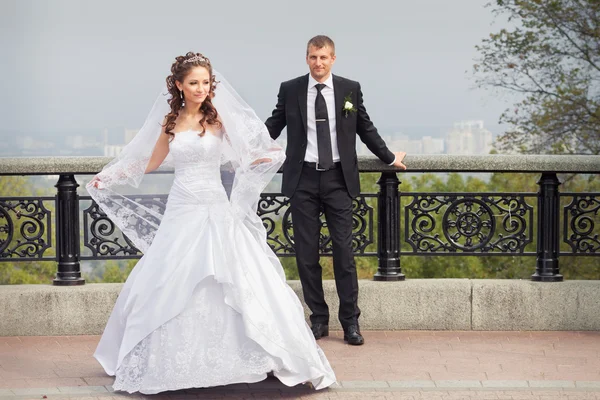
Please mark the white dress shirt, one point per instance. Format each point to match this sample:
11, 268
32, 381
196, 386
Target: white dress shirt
312, 152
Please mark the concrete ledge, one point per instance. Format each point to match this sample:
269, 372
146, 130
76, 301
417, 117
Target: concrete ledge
415, 163
525, 305
45, 310
419, 304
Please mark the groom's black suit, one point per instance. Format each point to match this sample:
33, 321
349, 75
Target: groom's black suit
310, 190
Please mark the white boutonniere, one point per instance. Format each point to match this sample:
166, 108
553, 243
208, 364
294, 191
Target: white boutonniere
348, 106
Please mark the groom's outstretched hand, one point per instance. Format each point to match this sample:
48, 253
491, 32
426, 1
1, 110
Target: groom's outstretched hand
399, 158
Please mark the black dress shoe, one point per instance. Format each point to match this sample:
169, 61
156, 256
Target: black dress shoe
352, 336
320, 330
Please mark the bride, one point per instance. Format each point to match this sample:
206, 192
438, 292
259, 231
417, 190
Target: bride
207, 305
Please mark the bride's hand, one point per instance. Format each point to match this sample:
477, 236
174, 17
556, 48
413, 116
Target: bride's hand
95, 182
261, 161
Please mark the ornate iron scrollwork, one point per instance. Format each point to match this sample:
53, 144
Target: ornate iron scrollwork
581, 222
25, 228
103, 237
273, 208
467, 223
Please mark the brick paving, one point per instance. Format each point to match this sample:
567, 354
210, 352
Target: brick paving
408, 365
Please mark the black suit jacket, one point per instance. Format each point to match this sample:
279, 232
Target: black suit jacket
290, 111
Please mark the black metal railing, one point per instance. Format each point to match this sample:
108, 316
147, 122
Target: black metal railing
449, 224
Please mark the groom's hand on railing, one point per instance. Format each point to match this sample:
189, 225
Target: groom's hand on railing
399, 158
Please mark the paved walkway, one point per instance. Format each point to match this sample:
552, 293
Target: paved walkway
409, 365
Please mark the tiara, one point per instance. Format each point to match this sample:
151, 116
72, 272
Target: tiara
197, 58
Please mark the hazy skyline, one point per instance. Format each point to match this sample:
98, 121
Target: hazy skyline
75, 66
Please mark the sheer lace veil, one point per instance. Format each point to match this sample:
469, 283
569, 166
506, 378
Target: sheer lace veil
248, 150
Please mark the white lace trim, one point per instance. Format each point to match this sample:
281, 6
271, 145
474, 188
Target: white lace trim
204, 346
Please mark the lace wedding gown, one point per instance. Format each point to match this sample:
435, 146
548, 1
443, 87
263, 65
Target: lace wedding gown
205, 306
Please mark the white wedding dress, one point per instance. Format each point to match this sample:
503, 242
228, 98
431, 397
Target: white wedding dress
205, 306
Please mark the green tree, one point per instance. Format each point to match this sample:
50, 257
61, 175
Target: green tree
548, 55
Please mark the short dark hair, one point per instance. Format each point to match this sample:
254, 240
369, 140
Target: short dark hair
321, 41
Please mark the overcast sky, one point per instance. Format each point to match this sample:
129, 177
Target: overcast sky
76, 65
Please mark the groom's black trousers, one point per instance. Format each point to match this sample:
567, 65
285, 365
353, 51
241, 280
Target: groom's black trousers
325, 189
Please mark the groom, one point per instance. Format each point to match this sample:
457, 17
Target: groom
323, 113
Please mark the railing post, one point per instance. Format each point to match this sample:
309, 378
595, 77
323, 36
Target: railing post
546, 269
388, 229
67, 232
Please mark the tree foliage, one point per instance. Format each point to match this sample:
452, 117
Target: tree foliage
548, 55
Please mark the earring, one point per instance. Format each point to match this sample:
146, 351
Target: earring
181, 94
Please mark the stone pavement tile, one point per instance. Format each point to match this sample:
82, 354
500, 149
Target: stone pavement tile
424, 347
31, 371
364, 384
450, 338
412, 352
588, 384
515, 375
399, 335
400, 396
517, 392
457, 383
82, 389
380, 346
453, 354
450, 361
404, 376
8, 351
474, 367
476, 346
551, 384
505, 383
525, 367
320, 396
527, 348
35, 391
366, 369
373, 335
572, 352
362, 395
335, 362
9, 340
41, 340
560, 360
575, 376
13, 383
411, 384
453, 376
349, 376
403, 368
488, 394
99, 381
82, 371
54, 382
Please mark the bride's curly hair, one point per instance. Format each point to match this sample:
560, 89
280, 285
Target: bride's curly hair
179, 70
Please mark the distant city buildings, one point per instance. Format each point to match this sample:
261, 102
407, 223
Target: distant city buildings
113, 150
82, 142
31, 146
469, 137
465, 137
